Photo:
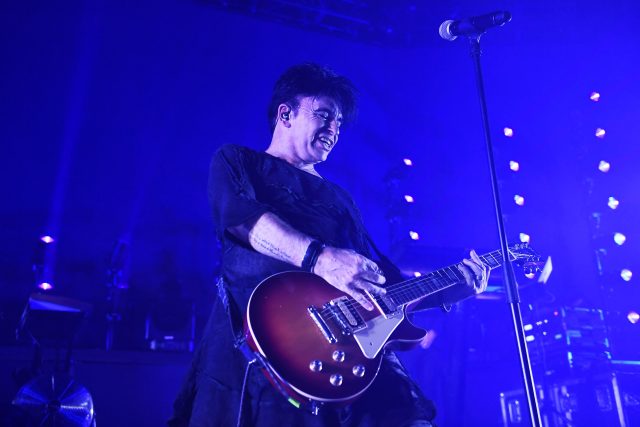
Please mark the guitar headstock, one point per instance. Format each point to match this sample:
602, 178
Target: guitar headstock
526, 258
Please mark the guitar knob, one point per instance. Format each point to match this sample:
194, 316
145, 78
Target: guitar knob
336, 380
358, 371
338, 356
315, 366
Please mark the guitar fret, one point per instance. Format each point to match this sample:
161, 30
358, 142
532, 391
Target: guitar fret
442, 281
423, 287
445, 274
493, 261
433, 286
457, 274
497, 256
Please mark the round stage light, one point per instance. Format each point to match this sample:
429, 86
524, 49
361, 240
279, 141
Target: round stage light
619, 238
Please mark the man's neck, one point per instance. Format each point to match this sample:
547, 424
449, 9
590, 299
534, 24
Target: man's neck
277, 150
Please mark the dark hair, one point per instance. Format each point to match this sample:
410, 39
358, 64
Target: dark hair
311, 79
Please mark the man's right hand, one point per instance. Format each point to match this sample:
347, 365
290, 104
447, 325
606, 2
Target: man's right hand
351, 273
344, 269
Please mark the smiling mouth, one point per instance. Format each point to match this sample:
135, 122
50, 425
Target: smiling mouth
327, 142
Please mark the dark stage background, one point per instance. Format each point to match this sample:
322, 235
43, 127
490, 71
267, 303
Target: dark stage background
110, 112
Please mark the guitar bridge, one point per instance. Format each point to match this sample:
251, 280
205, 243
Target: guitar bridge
319, 321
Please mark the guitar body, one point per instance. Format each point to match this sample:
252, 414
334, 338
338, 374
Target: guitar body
308, 355
318, 346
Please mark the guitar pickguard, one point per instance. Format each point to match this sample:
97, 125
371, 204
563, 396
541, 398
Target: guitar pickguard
373, 338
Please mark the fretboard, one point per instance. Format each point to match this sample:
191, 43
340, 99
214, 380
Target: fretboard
411, 290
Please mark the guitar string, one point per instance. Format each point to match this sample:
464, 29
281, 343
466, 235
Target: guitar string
428, 279
435, 282
407, 289
410, 284
353, 304
401, 288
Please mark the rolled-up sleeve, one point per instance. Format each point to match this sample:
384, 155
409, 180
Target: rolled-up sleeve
232, 194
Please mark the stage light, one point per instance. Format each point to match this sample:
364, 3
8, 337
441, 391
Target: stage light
525, 238
613, 203
626, 274
414, 235
519, 200
407, 162
409, 198
45, 286
47, 239
633, 317
508, 132
595, 96
619, 238
600, 133
514, 166
604, 166
530, 275
417, 274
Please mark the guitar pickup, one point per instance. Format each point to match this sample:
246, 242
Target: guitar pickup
385, 305
346, 315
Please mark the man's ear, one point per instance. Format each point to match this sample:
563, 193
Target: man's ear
284, 114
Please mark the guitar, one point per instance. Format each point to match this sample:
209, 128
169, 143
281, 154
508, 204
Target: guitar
319, 346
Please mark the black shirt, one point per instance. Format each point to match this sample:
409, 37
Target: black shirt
244, 184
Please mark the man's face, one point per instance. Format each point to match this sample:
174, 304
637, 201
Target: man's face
315, 128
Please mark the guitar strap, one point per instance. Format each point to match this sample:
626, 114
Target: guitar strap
254, 359
232, 311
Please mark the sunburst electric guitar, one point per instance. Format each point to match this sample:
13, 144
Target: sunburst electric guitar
319, 346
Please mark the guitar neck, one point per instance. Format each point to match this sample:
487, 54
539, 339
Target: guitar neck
411, 290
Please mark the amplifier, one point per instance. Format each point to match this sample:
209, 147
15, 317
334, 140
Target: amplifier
565, 340
575, 402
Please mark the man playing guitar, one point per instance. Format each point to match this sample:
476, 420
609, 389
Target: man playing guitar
274, 212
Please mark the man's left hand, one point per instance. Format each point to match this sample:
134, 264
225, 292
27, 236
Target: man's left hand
476, 275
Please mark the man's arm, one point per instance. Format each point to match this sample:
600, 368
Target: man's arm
344, 269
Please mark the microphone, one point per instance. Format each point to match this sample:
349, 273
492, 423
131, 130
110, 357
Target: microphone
450, 30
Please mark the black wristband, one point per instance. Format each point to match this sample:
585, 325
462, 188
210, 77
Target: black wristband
311, 256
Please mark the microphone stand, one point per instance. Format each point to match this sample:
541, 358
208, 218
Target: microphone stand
510, 282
